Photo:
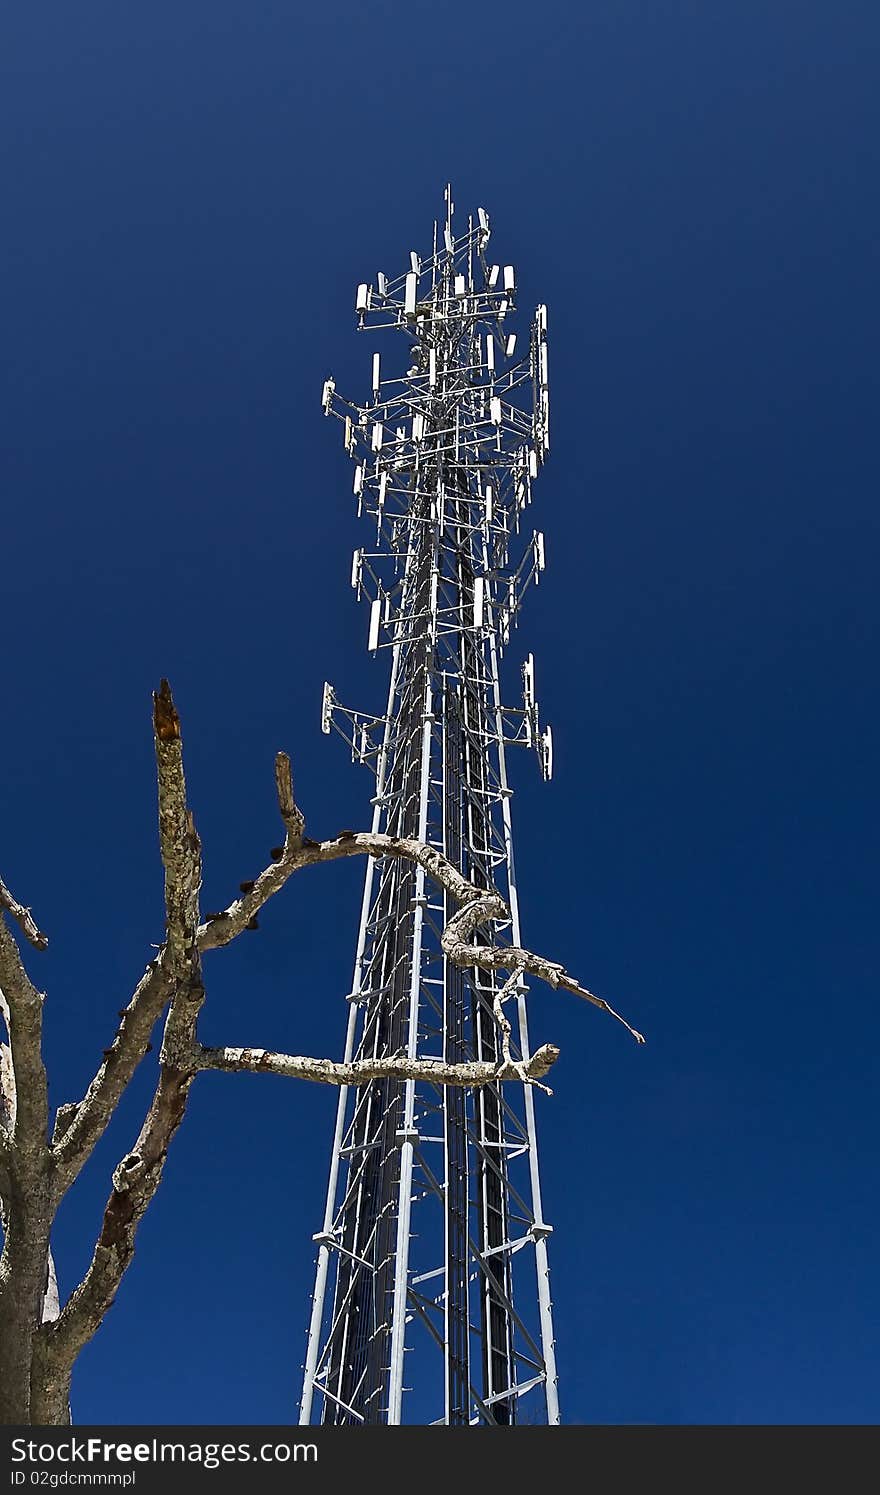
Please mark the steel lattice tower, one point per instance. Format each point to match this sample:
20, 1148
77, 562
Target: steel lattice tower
432, 1264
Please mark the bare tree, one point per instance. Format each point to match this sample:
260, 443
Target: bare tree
40, 1340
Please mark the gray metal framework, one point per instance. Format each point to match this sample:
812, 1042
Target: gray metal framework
432, 1262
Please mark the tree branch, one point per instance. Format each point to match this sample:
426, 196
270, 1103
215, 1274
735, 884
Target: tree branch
456, 946
291, 814
26, 1210
220, 929
173, 971
479, 907
137, 1177
85, 1123
23, 918
178, 841
135, 1181
364, 1071
23, 1013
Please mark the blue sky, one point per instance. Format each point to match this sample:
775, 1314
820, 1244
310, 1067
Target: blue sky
191, 193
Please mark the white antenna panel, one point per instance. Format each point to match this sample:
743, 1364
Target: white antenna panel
494, 272
382, 284
327, 708
376, 364
327, 394
375, 619
359, 478
409, 299
509, 278
357, 561
547, 754
511, 345
495, 410
479, 595
363, 298
432, 367
528, 673
377, 436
